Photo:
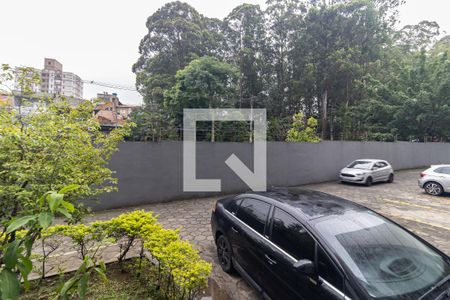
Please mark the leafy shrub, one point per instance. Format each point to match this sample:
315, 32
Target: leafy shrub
86, 238
20, 235
182, 263
126, 229
78, 284
180, 272
50, 242
302, 131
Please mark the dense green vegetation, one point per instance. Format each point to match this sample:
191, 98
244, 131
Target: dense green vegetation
124, 282
166, 267
343, 62
50, 157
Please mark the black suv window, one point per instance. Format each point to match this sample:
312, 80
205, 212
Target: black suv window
254, 213
233, 205
327, 270
289, 235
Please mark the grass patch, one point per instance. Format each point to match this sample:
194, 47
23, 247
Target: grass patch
124, 282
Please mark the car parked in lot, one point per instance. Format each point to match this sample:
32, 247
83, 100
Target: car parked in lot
297, 244
367, 171
435, 180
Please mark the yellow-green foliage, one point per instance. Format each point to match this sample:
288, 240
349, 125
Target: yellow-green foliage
78, 233
130, 224
301, 132
19, 235
178, 261
183, 262
84, 237
156, 238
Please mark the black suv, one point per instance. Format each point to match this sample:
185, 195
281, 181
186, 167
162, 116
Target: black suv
297, 244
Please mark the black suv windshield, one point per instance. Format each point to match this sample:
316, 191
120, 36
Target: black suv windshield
389, 262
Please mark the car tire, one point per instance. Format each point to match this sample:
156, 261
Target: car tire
391, 178
433, 188
225, 254
369, 181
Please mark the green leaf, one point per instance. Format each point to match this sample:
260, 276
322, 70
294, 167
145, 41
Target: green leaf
11, 254
67, 286
54, 200
20, 222
42, 200
9, 285
26, 264
102, 265
68, 188
82, 285
45, 219
101, 273
28, 244
26, 283
64, 212
69, 206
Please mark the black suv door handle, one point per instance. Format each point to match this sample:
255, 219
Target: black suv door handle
234, 230
270, 260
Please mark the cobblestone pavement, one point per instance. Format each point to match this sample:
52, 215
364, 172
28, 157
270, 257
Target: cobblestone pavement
405, 203
402, 201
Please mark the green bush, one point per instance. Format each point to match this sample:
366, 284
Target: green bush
181, 273
86, 238
126, 229
182, 264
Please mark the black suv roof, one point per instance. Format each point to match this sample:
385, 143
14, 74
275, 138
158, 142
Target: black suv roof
312, 204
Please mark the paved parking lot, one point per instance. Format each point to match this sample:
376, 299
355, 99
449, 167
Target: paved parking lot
402, 201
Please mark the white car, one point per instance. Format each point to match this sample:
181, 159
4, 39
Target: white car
367, 171
435, 180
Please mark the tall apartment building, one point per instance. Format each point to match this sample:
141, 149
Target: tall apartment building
55, 81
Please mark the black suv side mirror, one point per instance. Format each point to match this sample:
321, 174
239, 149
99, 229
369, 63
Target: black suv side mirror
305, 267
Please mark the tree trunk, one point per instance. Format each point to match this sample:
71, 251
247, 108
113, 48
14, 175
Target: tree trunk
324, 114
213, 130
251, 121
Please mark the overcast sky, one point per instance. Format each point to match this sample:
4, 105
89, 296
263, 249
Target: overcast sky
98, 39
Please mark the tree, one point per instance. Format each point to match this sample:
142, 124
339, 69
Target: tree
416, 37
442, 46
344, 40
245, 38
177, 34
301, 132
283, 21
340, 60
152, 124
205, 83
55, 146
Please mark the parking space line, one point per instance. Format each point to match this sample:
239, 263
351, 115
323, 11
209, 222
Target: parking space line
412, 204
420, 221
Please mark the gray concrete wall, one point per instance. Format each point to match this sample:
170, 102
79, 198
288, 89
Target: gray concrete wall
152, 172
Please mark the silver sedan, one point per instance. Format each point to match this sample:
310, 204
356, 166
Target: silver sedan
367, 171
